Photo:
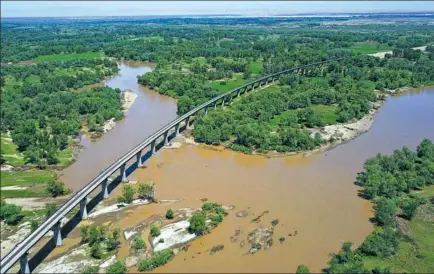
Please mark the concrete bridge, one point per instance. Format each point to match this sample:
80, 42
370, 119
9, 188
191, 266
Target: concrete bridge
138, 155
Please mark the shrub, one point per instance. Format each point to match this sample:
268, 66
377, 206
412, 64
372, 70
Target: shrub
139, 243
216, 219
155, 231
409, 207
209, 206
159, 258
33, 225
50, 208
90, 269
11, 214
96, 251
198, 223
56, 188
302, 269
169, 214
117, 267
112, 241
84, 232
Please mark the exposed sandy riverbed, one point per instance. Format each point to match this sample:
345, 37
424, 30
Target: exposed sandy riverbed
383, 53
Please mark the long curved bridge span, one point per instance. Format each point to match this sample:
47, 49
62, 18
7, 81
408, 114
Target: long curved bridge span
105, 179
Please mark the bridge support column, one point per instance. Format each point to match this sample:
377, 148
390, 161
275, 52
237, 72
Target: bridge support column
206, 111
223, 102
177, 129
239, 93
124, 173
24, 264
187, 123
57, 235
260, 84
83, 209
139, 159
215, 105
104, 190
166, 138
153, 148
253, 86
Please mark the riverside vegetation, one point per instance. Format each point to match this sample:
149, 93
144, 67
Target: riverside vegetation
401, 186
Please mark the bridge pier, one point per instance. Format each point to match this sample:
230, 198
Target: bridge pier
57, 235
177, 129
223, 102
206, 111
123, 173
166, 138
239, 93
187, 123
83, 209
253, 87
260, 84
24, 264
153, 147
104, 189
139, 159
215, 104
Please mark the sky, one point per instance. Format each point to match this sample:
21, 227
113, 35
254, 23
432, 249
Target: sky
137, 8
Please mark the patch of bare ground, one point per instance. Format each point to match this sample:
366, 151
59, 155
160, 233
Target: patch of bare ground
426, 212
403, 225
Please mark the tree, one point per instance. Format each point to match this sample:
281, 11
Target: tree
302, 269
127, 194
385, 212
145, 191
10, 213
55, 188
155, 231
169, 213
117, 267
409, 207
198, 223
381, 244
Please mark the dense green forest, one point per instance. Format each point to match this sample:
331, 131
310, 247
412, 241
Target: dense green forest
195, 62
401, 186
42, 108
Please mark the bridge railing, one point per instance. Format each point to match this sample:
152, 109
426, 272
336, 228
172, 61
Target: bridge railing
21, 250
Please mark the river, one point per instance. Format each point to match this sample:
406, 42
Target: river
150, 112
313, 195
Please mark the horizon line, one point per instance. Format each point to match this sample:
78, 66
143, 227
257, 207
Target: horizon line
431, 12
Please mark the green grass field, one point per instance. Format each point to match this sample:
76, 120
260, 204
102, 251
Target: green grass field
9, 151
416, 256
34, 180
368, 48
230, 84
26, 178
327, 113
256, 67
71, 56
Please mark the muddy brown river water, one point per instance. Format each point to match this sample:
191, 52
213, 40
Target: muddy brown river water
313, 195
